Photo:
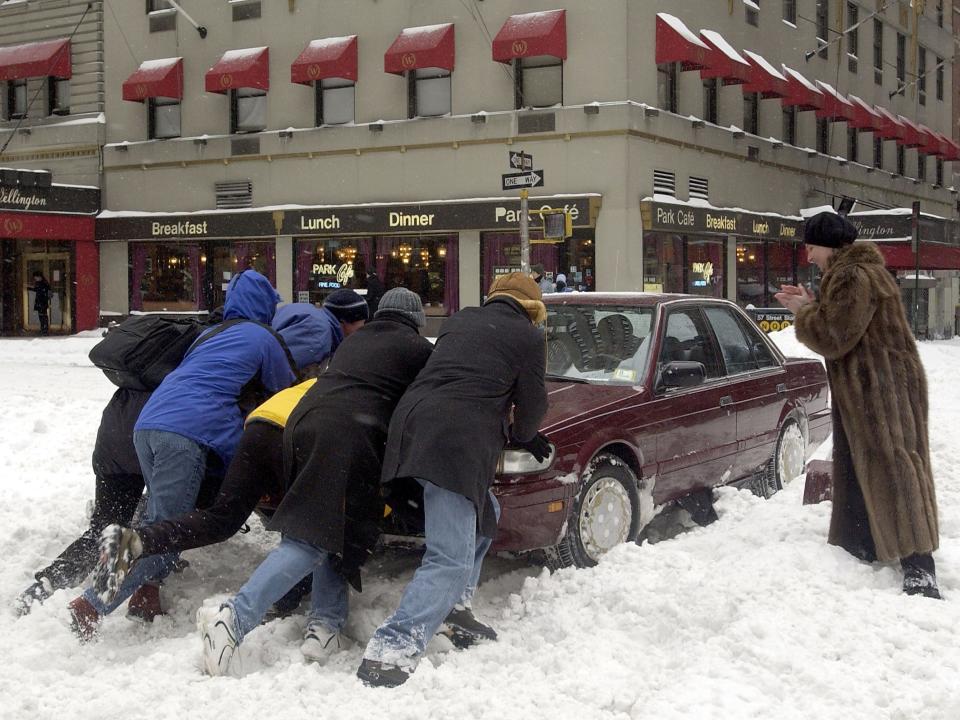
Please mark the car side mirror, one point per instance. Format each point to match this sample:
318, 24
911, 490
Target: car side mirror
682, 374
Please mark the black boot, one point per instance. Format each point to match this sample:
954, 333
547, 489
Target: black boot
374, 673
920, 576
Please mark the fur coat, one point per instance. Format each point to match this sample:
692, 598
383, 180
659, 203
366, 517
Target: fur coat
884, 505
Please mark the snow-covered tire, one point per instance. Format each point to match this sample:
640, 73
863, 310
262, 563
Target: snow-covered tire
788, 459
606, 513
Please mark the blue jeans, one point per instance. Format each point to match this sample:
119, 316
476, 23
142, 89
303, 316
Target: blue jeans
288, 563
448, 574
173, 469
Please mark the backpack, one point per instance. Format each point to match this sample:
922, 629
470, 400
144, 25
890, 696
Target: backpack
141, 351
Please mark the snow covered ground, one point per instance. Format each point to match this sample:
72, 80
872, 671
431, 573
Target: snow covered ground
752, 617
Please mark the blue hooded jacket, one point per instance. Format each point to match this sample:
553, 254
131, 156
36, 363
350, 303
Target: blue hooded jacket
311, 333
199, 399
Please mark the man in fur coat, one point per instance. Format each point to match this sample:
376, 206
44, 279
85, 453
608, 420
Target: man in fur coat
884, 504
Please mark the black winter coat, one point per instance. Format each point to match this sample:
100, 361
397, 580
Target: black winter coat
113, 453
335, 437
453, 422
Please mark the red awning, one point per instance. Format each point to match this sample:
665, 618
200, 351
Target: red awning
155, 78
889, 127
37, 59
864, 116
723, 61
933, 256
675, 43
911, 137
327, 58
247, 68
835, 106
421, 47
764, 77
532, 34
952, 149
801, 92
932, 145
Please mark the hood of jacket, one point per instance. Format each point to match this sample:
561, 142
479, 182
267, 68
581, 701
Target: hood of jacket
311, 333
250, 296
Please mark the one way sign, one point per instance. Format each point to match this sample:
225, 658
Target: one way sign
521, 161
534, 178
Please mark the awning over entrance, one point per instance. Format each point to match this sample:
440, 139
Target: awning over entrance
952, 149
864, 116
889, 127
723, 61
932, 143
676, 43
835, 106
801, 93
532, 34
899, 256
50, 58
428, 46
155, 78
247, 68
327, 58
911, 137
764, 77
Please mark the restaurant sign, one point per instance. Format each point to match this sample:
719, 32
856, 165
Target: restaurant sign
670, 217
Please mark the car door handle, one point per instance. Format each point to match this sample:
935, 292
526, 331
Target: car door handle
726, 400
781, 388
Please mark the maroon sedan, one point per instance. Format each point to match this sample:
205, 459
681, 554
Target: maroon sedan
653, 398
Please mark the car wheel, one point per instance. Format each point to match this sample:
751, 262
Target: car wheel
605, 513
789, 457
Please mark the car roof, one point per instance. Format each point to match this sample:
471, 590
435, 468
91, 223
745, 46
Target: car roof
640, 299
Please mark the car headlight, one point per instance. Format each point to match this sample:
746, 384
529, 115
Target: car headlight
519, 462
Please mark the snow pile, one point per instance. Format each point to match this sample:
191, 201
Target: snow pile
754, 617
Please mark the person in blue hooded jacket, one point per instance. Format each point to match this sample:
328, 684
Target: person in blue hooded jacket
194, 418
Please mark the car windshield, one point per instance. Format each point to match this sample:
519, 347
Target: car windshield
598, 343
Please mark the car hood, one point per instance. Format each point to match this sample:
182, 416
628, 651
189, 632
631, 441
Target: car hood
571, 401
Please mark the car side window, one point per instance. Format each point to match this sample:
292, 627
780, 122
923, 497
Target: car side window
742, 349
761, 354
687, 338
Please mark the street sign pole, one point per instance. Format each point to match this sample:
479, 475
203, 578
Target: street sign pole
524, 232
915, 222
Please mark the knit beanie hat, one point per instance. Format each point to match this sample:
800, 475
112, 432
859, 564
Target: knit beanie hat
402, 301
347, 305
522, 288
829, 229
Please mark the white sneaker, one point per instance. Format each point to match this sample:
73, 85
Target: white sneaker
219, 639
320, 642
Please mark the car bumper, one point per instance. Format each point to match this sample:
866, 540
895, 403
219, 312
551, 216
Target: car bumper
532, 514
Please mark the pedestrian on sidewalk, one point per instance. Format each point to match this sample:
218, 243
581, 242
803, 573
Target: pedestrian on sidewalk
884, 503
41, 301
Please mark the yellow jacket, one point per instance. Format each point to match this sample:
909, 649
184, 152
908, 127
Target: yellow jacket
277, 409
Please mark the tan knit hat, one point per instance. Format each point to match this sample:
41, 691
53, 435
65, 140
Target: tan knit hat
522, 288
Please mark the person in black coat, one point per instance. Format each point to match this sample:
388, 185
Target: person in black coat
41, 301
447, 433
374, 290
330, 516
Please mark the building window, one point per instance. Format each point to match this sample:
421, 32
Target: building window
248, 110
853, 145
710, 93
922, 75
500, 254
853, 36
939, 13
901, 62
823, 136
16, 99
901, 160
790, 125
752, 12
877, 152
823, 25
921, 166
164, 118
667, 86
751, 113
939, 169
939, 78
762, 267
428, 92
336, 101
877, 52
538, 82
790, 11
58, 96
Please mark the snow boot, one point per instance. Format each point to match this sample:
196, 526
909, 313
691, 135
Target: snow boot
320, 643
145, 603
375, 673
463, 628
219, 636
119, 549
920, 576
84, 619
36, 593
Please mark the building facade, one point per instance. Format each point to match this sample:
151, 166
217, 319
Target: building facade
325, 142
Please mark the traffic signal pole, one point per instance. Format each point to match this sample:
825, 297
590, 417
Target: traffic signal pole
524, 232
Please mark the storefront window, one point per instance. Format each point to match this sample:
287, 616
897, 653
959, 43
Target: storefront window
328, 264
574, 258
705, 267
751, 288
781, 267
663, 263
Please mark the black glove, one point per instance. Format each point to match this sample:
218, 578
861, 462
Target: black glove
539, 446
